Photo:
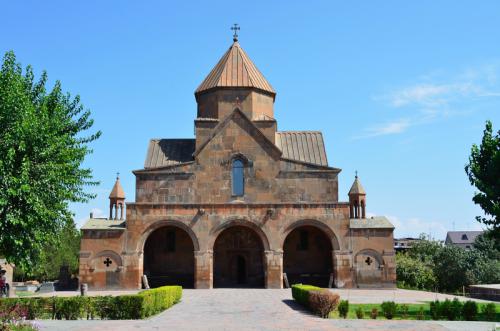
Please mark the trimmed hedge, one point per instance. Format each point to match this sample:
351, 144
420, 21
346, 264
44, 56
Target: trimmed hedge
321, 301
135, 306
300, 293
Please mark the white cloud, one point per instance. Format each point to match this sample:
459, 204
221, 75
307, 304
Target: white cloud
394, 127
415, 226
436, 96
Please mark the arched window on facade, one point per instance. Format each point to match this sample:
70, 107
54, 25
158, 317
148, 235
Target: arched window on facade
238, 177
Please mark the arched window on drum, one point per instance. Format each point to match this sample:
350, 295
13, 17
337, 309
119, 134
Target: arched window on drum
238, 177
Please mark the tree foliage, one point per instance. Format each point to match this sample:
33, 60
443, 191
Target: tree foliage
42, 149
413, 273
54, 254
429, 266
484, 173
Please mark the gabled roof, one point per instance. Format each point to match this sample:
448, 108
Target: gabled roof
305, 146
462, 237
219, 127
375, 222
356, 187
235, 69
103, 224
117, 191
167, 152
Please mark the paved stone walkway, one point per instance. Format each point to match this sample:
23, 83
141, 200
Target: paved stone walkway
255, 309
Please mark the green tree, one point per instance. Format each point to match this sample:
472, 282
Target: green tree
54, 254
43, 145
452, 269
424, 249
487, 244
484, 173
413, 273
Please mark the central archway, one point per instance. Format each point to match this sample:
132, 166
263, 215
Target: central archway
238, 258
307, 256
169, 257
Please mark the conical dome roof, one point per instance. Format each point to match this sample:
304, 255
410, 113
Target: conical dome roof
235, 69
117, 191
356, 187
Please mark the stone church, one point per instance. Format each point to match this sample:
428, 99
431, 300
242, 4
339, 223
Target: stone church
240, 205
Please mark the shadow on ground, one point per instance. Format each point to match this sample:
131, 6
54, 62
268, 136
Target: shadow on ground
297, 307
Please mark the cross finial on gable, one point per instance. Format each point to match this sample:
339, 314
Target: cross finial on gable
237, 103
235, 28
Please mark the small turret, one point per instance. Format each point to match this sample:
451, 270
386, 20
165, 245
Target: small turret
357, 199
116, 200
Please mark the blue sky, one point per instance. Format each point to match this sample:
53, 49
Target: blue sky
400, 90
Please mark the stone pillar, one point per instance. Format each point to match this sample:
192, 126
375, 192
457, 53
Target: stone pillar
132, 270
203, 269
343, 269
389, 272
273, 268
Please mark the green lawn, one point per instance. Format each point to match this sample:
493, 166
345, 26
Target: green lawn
413, 311
23, 294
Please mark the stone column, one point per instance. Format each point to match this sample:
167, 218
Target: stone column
343, 269
389, 272
203, 269
132, 270
273, 268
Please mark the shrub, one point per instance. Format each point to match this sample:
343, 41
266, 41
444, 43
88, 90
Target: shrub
374, 313
435, 309
359, 312
489, 312
454, 310
137, 306
450, 309
469, 310
70, 308
404, 311
420, 314
300, 293
159, 299
389, 309
322, 302
343, 308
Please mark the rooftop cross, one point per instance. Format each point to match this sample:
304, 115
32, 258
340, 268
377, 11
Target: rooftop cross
235, 28
356, 173
118, 175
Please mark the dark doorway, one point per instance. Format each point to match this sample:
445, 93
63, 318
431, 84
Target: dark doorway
241, 270
238, 258
169, 258
307, 256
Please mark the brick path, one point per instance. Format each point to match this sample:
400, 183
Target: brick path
253, 309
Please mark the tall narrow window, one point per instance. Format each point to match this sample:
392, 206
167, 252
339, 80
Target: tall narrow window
238, 178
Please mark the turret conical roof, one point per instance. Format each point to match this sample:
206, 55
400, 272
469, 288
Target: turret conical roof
235, 69
356, 187
117, 191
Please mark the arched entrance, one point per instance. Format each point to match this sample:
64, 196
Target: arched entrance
169, 257
368, 268
307, 256
238, 258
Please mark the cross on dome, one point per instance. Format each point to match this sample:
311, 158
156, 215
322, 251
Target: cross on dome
235, 28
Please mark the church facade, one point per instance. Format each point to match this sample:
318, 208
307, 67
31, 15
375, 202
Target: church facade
240, 205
